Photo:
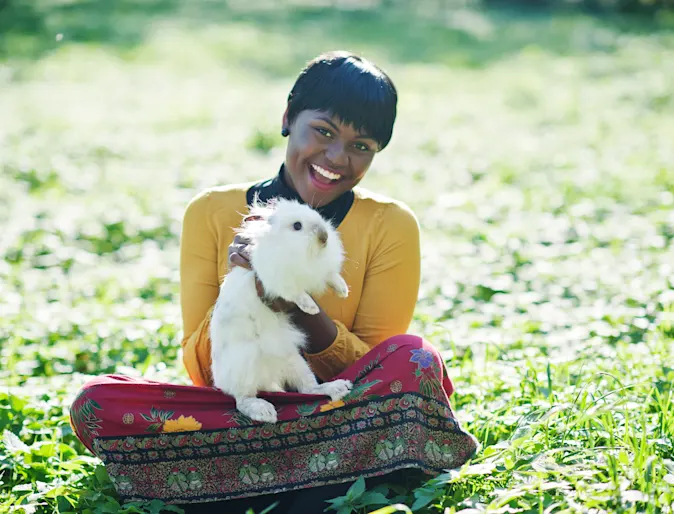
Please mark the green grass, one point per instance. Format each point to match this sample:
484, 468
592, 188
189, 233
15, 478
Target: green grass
535, 148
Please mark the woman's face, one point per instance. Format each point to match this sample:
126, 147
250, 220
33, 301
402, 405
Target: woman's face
324, 157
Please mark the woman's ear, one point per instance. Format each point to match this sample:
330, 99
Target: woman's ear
284, 124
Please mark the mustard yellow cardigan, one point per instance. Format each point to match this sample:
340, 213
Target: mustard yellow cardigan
382, 269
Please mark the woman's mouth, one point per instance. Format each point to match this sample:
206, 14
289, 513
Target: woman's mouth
323, 179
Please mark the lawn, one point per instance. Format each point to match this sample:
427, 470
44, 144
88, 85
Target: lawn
535, 148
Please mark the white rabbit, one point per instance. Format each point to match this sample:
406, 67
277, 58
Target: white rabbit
295, 253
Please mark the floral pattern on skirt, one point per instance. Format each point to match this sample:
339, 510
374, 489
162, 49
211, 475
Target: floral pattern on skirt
185, 444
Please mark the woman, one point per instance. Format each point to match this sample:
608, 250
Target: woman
186, 444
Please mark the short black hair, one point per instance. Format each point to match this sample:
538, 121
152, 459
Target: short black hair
350, 87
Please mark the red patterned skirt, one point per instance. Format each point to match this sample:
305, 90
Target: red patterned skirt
186, 444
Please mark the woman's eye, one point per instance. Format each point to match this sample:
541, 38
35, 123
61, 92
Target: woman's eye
324, 132
297, 225
362, 147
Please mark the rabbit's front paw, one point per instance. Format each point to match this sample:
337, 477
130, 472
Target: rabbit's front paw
257, 409
336, 389
339, 285
307, 304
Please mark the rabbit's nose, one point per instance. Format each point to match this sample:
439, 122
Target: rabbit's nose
322, 235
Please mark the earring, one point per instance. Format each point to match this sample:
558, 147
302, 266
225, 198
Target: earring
285, 132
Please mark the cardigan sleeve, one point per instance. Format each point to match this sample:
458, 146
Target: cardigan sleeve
390, 291
198, 286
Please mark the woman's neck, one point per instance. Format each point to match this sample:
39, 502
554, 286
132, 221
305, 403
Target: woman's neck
279, 187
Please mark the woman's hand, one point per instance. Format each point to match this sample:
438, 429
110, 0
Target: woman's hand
276, 304
239, 255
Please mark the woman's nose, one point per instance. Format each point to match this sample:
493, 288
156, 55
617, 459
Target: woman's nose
336, 154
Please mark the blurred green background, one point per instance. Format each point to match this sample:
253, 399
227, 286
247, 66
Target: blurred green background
534, 143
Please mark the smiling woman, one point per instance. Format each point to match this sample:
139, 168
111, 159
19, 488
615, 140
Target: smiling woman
340, 112
326, 158
189, 444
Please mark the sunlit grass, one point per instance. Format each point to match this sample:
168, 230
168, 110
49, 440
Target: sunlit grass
535, 150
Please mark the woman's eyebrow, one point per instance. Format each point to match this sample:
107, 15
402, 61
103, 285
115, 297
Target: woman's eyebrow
336, 128
329, 122
365, 136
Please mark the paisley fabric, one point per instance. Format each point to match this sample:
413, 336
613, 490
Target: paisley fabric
186, 444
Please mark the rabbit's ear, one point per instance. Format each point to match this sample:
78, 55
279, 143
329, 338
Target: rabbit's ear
252, 217
256, 200
260, 206
270, 205
257, 211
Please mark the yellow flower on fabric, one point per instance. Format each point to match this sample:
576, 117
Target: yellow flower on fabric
332, 405
182, 424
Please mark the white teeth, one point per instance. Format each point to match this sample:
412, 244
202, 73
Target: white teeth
326, 173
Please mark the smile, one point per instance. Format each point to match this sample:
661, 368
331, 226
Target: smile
325, 173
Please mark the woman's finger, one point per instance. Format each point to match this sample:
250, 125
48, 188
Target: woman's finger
239, 239
242, 250
237, 260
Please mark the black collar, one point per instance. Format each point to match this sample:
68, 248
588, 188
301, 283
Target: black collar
277, 187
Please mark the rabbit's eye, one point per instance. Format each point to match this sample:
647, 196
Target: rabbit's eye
297, 225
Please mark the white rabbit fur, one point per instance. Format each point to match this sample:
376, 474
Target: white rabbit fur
253, 348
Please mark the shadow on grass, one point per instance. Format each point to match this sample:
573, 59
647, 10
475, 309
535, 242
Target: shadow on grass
420, 31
